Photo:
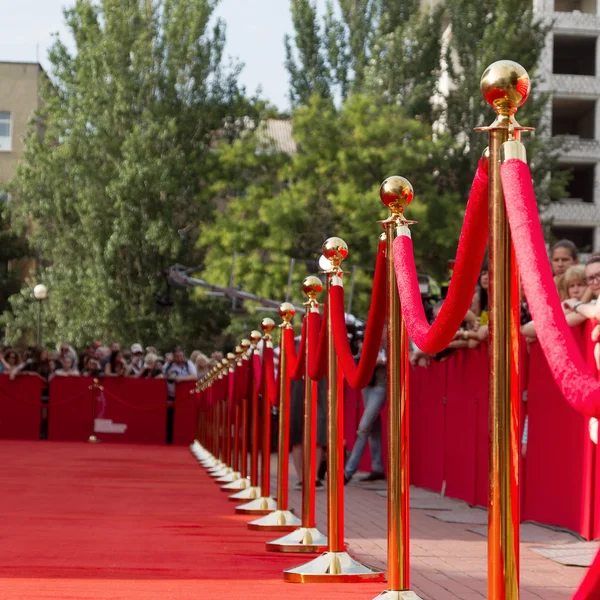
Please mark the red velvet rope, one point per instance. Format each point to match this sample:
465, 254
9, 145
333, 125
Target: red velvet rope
295, 361
241, 375
469, 257
317, 348
568, 366
256, 370
358, 376
268, 373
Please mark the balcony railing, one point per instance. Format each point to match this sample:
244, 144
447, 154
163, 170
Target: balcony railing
573, 212
576, 22
576, 149
581, 86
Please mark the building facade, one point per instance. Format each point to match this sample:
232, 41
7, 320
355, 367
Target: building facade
20, 97
569, 73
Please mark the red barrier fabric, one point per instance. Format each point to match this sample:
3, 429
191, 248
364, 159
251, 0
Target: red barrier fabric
480, 377
427, 388
568, 367
558, 467
70, 409
296, 359
20, 407
127, 410
460, 438
185, 417
469, 257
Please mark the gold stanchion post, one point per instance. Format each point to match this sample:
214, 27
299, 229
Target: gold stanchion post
397, 193
93, 439
307, 538
335, 565
253, 490
232, 424
242, 482
282, 519
505, 86
264, 504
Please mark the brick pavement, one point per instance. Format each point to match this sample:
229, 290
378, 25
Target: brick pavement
447, 560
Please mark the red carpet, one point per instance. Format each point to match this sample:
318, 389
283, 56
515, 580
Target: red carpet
131, 522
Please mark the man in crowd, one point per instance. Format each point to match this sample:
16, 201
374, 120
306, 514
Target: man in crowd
176, 370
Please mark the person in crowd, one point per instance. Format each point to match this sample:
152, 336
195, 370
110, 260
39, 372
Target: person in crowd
151, 350
563, 255
137, 360
10, 361
67, 350
67, 368
116, 365
102, 355
151, 368
39, 364
217, 356
575, 283
92, 368
297, 426
176, 370
370, 427
201, 363
480, 299
580, 305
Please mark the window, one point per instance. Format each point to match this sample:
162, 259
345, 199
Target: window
5, 132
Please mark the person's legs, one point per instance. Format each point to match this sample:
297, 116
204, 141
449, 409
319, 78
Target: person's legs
377, 399
373, 403
297, 460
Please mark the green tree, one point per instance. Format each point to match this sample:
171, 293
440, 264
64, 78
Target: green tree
290, 205
116, 189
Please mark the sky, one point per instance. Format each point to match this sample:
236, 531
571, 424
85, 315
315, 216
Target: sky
255, 32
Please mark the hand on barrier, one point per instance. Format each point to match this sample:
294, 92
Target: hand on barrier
469, 258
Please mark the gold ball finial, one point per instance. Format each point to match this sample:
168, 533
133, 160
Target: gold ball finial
239, 350
255, 337
335, 250
396, 193
230, 356
287, 312
267, 325
225, 361
312, 287
505, 86
245, 344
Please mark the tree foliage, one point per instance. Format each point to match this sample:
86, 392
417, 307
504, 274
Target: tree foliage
116, 188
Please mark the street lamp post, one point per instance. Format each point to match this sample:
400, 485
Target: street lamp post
40, 291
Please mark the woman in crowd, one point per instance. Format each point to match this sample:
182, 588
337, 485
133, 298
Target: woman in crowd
563, 255
151, 368
10, 361
201, 363
116, 366
92, 367
480, 299
67, 368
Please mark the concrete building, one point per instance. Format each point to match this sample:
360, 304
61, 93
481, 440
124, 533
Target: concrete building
570, 74
19, 97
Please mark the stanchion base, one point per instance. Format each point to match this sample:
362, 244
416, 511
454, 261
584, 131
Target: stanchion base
220, 472
217, 466
233, 476
239, 484
260, 506
93, 439
278, 520
250, 493
303, 539
395, 595
333, 567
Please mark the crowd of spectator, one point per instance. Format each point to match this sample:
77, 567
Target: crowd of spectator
98, 360
578, 286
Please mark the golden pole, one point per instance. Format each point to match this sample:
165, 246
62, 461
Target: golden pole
306, 538
505, 86
335, 565
93, 439
264, 504
225, 468
232, 412
281, 519
241, 436
253, 491
397, 193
